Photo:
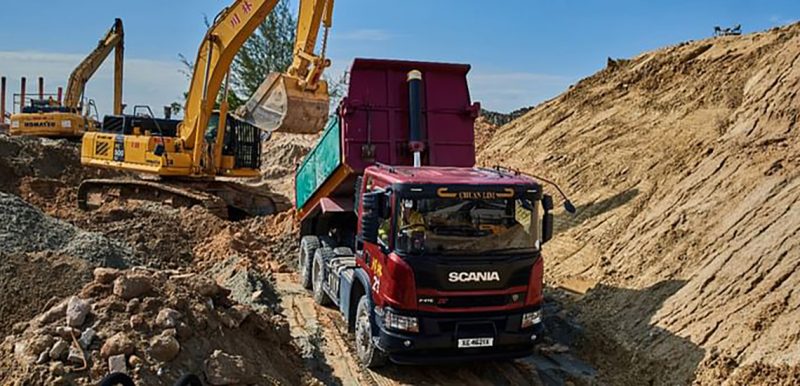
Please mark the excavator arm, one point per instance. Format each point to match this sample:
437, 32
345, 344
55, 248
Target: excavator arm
301, 90
113, 40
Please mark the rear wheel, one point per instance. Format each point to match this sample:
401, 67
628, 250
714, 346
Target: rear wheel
368, 354
308, 246
321, 256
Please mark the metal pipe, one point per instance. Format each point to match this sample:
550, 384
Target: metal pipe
60, 95
3, 100
41, 88
415, 143
22, 94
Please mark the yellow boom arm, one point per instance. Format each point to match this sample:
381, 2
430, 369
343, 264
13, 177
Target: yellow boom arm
231, 29
114, 40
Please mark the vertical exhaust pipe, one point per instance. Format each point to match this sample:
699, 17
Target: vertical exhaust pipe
2, 100
22, 94
60, 95
41, 88
415, 143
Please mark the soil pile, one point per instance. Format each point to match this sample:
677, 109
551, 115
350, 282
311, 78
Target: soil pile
684, 164
156, 326
280, 157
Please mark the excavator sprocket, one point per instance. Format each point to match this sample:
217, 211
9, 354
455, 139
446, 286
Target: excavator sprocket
225, 199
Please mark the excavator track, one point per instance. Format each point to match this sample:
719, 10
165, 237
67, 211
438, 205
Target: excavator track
225, 199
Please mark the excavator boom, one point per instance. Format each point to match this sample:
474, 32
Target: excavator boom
71, 118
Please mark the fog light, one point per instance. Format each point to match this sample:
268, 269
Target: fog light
531, 318
407, 343
533, 338
400, 322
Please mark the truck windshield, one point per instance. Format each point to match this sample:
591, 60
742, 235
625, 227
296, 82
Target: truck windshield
466, 227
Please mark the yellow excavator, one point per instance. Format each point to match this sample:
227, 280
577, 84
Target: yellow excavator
203, 159
51, 118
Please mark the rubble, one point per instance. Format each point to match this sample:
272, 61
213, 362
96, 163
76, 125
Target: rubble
77, 310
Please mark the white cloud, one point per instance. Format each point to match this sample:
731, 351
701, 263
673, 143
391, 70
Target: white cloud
146, 82
508, 91
370, 35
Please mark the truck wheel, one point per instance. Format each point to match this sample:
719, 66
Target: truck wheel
320, 257
368, 354
308, 245
343, 252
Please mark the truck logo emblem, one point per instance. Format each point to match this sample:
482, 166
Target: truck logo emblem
466, 277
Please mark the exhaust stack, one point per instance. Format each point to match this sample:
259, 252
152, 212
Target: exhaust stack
41, 88
2, 101
415, 143
60, 95
22, 94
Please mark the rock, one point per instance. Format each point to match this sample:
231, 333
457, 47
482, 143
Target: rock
44, 357
117, 364
165, 347
87, 337
234, 316
20, 327
57, 368
226, 369
133, 306
139, 323
59, 350
75, 355
54, 313
117, 344
40, 343
151, 305
134, 361
77, 310
184, 331
168, 318
205, 286
105, 275
132, 286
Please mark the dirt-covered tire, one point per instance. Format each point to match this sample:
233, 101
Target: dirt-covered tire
368, 354
308, 245
343, 251
322, 255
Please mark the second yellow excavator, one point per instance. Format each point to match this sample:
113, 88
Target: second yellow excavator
203, 158
51, 118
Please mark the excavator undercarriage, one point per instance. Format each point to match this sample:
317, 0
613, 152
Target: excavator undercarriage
232, 199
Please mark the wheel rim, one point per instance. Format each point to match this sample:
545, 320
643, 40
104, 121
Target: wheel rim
363, 336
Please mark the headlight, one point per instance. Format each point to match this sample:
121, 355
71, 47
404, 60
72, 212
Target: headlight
400, 322
66, 124
531, 318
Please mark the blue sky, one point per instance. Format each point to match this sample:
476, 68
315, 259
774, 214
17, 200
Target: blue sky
522, 52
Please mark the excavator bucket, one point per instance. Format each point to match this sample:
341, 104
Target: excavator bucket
281, 105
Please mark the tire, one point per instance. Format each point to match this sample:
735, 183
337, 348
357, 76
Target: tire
308, 246
368, 354
343, 252
321, 256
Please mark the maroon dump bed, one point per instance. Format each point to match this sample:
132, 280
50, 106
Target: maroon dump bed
372, 125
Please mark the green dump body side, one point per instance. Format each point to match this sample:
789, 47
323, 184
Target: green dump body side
319, 164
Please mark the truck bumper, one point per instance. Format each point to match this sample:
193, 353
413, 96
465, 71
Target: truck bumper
437, 341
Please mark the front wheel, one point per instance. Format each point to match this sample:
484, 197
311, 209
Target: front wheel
308, 245
368, 354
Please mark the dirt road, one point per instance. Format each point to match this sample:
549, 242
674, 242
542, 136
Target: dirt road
326, 346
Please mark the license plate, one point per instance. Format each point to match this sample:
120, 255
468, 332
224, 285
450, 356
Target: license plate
475, 342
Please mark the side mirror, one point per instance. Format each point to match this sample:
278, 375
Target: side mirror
547, 219
569, 207
547, 227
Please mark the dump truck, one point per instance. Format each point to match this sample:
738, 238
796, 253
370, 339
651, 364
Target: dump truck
427, 257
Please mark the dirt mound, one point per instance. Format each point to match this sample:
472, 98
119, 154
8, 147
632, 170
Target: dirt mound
279, 158
156, 326
684, 164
